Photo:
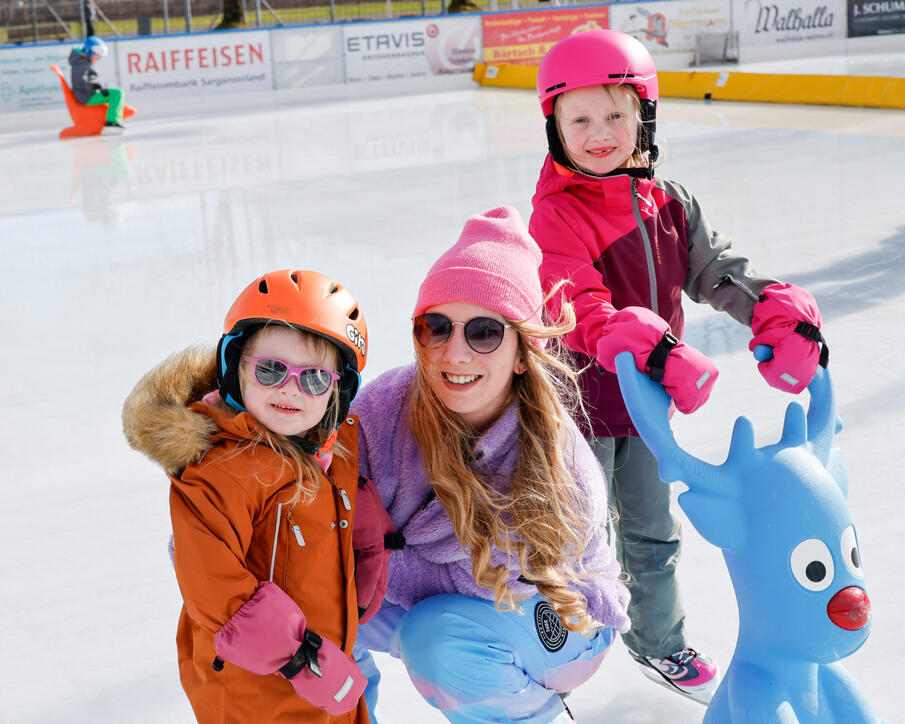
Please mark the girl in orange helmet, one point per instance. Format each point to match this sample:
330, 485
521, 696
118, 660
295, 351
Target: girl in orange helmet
266, 504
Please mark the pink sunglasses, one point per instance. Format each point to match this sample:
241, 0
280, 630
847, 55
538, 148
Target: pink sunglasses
313, 381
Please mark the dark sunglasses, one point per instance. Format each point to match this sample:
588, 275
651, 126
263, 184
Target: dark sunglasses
483, 334
313, 381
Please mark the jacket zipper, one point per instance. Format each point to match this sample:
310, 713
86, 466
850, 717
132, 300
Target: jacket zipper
298, 534
729, 279
648, 250
346, 504
276, 535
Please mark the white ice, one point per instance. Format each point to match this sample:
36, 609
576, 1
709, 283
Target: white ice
118, 251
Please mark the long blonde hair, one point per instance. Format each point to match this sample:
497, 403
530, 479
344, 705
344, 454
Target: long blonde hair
307, 471
540, 517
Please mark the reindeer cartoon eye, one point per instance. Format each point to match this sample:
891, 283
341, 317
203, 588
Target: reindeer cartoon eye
851, 556
812, 564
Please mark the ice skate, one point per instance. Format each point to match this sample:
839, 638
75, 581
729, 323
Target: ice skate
686, 672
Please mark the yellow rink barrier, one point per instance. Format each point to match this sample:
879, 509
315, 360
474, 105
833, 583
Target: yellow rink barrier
833, 90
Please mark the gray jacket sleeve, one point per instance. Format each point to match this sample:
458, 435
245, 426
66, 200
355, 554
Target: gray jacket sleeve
726, 281
83, 77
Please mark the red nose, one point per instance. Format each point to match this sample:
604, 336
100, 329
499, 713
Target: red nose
849, 609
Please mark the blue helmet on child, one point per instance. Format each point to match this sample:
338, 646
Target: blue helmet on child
95, 46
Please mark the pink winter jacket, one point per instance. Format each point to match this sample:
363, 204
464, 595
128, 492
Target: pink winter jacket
622, 241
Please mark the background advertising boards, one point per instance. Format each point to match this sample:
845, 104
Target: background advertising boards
305, 57
526, 37
26, 80
192, 65
411, 48
875, 17
668, 29
773, 22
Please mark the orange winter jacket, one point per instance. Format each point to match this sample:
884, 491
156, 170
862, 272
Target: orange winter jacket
233, 527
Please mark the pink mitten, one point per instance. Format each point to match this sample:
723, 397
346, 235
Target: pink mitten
786, 318
268, 636
372, 557
687, 374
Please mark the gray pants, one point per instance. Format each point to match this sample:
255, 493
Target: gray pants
647, 538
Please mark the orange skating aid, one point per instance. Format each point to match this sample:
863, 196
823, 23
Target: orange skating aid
87, 120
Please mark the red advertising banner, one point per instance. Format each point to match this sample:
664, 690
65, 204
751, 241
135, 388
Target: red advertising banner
525, 37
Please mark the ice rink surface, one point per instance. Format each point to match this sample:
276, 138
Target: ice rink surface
118, 251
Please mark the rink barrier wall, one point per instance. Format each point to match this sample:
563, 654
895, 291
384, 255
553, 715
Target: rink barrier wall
239, 66
233, 68
836, 90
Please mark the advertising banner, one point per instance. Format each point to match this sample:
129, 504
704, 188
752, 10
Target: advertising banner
411, 48
192, 65
772, 22
26, 81
525, 37
668, 29
875, 17
305, 57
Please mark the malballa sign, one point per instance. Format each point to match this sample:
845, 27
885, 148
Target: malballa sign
772, 18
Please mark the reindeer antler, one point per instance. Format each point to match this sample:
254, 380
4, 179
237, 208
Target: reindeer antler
823, 424
648, 405
711, 502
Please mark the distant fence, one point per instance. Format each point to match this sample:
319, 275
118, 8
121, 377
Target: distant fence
32, 21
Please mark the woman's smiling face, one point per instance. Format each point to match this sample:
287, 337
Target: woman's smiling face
474, 386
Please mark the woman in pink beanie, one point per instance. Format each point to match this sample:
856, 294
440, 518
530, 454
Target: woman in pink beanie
502, 591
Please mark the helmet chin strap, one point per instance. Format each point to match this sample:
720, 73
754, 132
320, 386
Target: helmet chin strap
306, 446
649, 129
558, 151
349, 385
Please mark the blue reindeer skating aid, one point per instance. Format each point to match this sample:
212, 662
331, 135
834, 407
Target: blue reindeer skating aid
780, 516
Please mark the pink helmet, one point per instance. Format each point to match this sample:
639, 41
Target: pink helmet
595, 57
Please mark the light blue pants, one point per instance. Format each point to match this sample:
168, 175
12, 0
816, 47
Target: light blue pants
477, 664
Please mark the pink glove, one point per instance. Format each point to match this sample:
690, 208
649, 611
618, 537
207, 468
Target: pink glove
268, 636
786, 318
372, 557
687, 374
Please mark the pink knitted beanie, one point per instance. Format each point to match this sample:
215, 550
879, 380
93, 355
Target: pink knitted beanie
494, 264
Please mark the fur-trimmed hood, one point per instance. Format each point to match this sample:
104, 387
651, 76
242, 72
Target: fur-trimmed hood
156, 418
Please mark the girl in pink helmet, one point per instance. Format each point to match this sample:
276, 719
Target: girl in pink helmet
628, 243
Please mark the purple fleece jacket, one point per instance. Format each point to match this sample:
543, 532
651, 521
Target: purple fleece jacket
432, 561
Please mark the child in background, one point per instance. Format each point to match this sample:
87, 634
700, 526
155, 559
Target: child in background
85, 85
629, 243
265, 482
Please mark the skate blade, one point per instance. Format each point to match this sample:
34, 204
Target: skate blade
696, 694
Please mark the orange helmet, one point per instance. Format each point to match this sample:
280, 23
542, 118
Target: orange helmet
305, 300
